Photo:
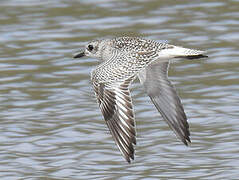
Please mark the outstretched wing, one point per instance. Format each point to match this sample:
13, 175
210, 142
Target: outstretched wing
116, 106
162, 93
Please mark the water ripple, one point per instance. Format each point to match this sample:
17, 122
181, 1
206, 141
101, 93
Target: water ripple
51, 126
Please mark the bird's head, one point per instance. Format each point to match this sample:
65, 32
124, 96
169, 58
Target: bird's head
93, 49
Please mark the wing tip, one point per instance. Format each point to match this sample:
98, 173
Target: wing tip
186, 140
129, 159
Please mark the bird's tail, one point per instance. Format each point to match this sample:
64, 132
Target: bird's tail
181, 52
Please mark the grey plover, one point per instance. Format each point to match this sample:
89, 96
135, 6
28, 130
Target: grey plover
124, 59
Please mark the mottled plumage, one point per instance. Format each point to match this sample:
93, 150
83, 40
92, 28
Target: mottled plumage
124, 59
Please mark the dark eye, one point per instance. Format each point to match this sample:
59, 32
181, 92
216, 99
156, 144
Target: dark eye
90, 47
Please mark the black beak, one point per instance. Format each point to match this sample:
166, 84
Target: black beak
81, 54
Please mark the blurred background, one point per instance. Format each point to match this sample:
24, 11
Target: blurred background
50, 124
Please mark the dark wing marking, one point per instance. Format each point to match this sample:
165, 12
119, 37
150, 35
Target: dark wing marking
162, 93
116, 106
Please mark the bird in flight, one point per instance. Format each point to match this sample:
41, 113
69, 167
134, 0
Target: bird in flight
124, 59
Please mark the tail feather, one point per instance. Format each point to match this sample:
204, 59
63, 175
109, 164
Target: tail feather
193, 56
180, 52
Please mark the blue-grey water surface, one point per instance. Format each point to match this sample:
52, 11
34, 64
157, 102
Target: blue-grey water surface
50, 124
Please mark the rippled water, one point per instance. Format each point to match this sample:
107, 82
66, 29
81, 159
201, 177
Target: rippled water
50, 124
